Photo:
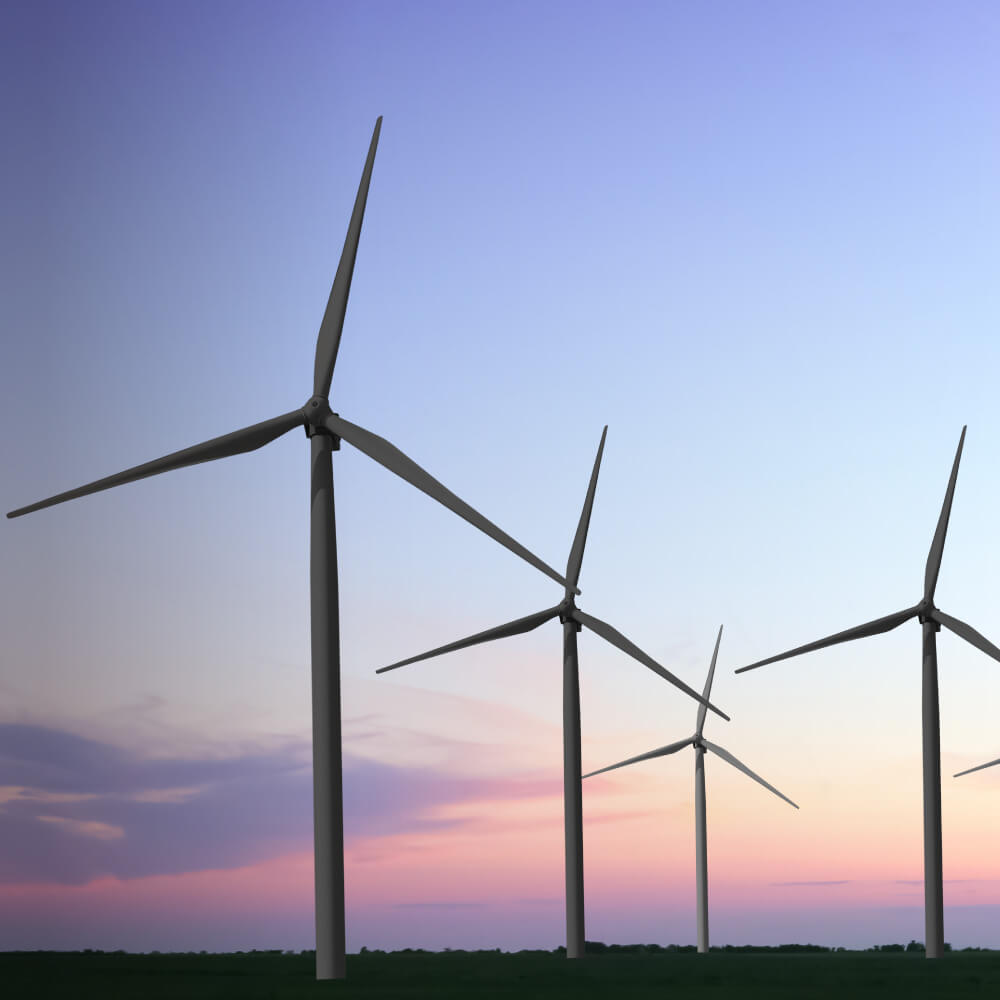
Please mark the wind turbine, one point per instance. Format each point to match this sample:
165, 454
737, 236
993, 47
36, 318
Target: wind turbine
325, 429
700, 745
572, 619
931, 619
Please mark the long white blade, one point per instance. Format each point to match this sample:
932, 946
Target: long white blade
394, 460
247, 439
525, 624
328, 340
612, 635
660, 752
979, 768
967, 632
937, 544
580, 540
740, 766
858, 632
708, 684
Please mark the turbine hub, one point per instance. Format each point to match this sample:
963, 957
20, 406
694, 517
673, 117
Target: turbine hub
316, 410
924, 609
566, 613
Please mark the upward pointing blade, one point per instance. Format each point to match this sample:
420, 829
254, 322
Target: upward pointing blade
858, 632
576, 553
708, 684
740, 766
612, 635
660, 752
394, 460
937, 545
247, 439
525, 624
328, 341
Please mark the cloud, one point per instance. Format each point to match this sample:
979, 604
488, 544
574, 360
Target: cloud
77, 808
86, 828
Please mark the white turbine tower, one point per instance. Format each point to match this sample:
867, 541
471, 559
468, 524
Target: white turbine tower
701, 745
572, 619
325, 429
931, 618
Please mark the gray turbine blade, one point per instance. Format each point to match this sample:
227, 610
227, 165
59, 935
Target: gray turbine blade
740, 766
661, 752
978, 768
967, 632
858, 632
525, 624
394, 460
612, 635
576, 553
937, 545
708, 685
328, 341
247, 439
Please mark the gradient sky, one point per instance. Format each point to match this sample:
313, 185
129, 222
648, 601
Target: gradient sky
758, 241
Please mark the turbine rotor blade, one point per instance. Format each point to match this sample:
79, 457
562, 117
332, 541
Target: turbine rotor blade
525, 624
740, 766
247, 439
858, 632
328, 341
967, 632
394, 460
708, 685
937, 545
978, 768
661, 752
612, 635
576, 552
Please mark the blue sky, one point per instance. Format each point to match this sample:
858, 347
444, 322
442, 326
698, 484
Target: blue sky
757, 241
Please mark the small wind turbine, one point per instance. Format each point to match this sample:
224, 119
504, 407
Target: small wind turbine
700, 745
325, 430
572, 619
931, 618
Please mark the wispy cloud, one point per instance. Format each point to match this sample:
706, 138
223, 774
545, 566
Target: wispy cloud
75, 808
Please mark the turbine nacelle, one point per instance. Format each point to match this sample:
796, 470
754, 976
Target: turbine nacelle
315, 413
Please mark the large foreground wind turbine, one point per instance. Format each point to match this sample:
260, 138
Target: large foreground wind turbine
325, 429
700, 745
931, 618
572, 619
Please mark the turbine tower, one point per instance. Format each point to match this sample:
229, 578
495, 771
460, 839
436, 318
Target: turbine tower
572, 619
325, 429
931, 619
701, 745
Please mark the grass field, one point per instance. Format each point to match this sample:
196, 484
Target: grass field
524, 975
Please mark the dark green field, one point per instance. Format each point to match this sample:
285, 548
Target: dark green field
523, 975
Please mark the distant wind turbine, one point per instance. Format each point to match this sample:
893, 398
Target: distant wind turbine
325, 430
700, 745
572, 619
931, 618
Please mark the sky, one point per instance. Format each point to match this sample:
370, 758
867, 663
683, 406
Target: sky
759, 242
